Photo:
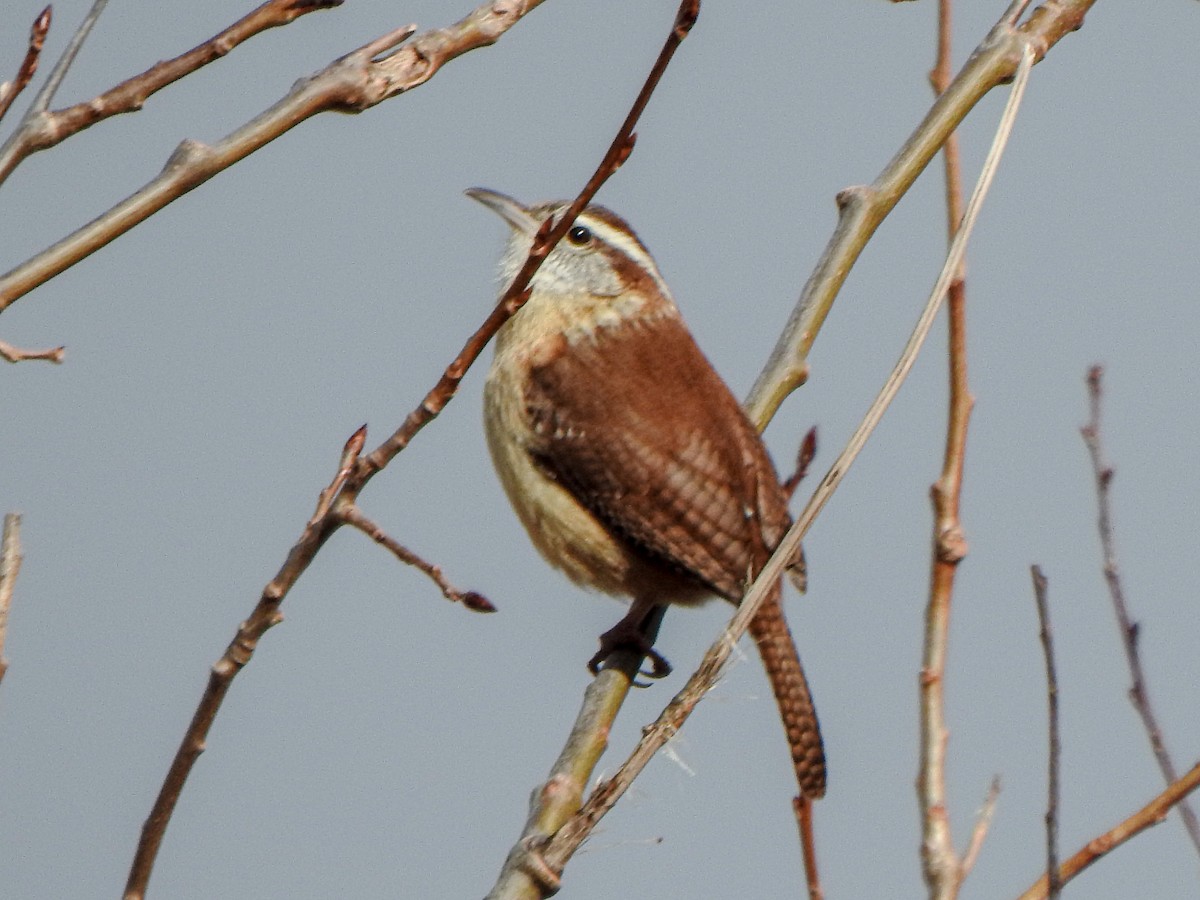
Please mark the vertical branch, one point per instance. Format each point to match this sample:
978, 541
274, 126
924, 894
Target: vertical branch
1138, 694
10, 565
1053, 881
942, 868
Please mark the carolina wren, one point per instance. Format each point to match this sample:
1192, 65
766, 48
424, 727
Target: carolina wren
626, 457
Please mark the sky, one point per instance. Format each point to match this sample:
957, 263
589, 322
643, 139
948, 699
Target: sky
383, 742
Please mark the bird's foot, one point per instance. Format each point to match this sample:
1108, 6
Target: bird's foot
626, 635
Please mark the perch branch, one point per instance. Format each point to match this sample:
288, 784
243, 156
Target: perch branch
552, 854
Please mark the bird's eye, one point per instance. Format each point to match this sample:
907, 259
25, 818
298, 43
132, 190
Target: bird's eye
579, 235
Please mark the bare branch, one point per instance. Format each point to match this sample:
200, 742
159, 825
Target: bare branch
472, 600
37, 37
13, 354
1054, 885
1151, 814
10, 567
42, 101
355, 82
41, 130
1139, 694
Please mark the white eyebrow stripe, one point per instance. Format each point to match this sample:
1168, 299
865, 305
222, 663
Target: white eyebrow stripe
623, 242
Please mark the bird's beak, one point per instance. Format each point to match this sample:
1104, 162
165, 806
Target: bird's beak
512, 212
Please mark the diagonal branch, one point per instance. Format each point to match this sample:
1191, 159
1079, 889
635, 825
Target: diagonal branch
1139, 696
357, 81
41, 130
12, 354
862, 209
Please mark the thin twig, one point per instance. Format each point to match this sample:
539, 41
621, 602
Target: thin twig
43, 129
33, 53
12, 354
1047, 637
654, 736
472, 600
10, 567
1139, 694
1150, 814
983, 821
337, 501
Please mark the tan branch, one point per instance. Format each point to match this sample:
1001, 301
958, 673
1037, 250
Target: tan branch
355, 82
10, 567
12, 354
1151, 814
862, 209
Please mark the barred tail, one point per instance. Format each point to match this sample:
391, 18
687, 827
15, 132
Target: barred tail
782, 663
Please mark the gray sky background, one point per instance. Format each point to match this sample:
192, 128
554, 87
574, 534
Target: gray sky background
384, 742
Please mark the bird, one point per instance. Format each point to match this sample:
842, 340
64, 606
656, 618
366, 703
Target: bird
626, 457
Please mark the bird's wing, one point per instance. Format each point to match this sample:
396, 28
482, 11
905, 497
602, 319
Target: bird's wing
637, 425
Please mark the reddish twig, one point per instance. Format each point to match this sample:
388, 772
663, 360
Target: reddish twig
37, 37
10, 567
1138, 693
1150, 814
472, 600
803, 808
12, 354
1054, 884
804, 457
941, 865
337, 502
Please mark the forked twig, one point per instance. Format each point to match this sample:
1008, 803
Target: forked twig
1139, 695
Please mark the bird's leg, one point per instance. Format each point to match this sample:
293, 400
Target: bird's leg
629, 634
